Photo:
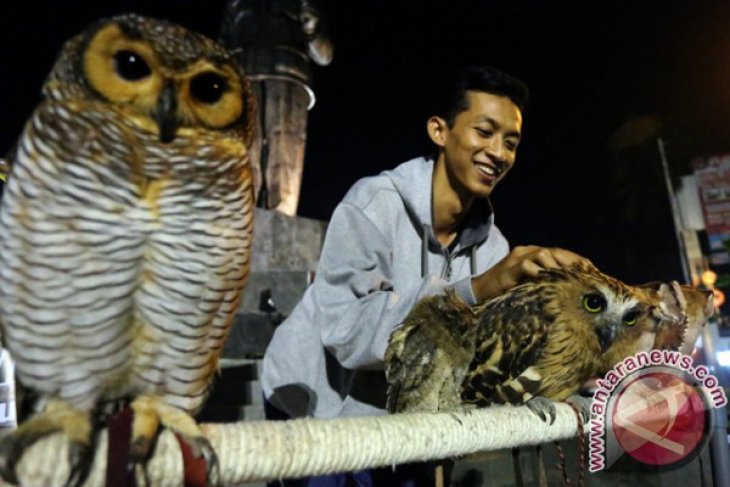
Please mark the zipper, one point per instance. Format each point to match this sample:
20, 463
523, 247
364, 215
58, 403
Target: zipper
447, 271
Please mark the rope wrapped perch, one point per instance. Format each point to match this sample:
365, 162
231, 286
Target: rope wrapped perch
266, 450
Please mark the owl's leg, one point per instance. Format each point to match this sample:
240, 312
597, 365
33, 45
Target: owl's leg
150, 412
582, 404
58, 416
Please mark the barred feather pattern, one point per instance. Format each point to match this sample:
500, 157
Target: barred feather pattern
122, 259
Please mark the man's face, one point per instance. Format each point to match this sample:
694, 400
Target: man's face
481, 145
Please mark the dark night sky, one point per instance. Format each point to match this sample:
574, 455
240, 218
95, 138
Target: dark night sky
591, 66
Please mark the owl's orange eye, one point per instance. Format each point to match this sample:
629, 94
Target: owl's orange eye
594, 303
130, 65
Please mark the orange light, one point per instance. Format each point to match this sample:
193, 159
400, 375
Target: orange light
708, 278
719, 297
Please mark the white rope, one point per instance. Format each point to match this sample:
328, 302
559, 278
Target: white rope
266, 450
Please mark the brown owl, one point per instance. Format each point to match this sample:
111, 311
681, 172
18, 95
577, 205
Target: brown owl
125, 231
697, 306
534, 344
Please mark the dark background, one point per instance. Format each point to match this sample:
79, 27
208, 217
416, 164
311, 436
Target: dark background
591, 67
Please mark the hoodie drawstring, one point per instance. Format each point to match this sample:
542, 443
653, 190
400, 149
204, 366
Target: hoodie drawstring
424, 250
473, 260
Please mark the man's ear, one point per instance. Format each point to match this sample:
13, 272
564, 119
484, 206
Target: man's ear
437, 130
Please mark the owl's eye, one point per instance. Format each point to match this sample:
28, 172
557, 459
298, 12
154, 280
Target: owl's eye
130, 65
594, 303
208, 87
631, 318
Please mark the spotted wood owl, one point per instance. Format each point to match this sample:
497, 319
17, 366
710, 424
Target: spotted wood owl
125, 231
541, 339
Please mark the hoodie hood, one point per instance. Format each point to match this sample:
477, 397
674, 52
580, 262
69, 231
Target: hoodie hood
413, 181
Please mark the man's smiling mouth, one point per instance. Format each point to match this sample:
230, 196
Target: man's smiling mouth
488, 169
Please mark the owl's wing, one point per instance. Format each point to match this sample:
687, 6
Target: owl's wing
409, 364
427, 356
511, 342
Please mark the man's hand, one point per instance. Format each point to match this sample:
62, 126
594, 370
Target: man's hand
520, 264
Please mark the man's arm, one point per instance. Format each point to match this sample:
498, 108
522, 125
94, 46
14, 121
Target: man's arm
356, 304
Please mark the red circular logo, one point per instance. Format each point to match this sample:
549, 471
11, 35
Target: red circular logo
659, 418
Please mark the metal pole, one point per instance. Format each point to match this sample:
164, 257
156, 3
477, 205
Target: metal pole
719, 451
675, 211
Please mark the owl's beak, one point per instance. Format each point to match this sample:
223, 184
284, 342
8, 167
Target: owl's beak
606, 335
167, 113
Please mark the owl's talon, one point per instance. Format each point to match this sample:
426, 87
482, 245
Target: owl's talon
582, 404
214, 471
543, 407
57, 417
139, 450
151, 413
201, 446
80, 458
10, 453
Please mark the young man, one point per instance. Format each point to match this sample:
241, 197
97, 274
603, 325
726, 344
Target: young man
410, 232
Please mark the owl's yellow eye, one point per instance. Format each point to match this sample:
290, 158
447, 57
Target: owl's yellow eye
130, 65
208, 87
594, 303
123, 70
631, 318
212, 94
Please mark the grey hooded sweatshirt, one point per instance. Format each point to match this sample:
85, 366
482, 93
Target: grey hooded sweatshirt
380, 256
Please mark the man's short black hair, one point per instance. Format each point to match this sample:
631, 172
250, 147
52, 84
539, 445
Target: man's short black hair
479, 78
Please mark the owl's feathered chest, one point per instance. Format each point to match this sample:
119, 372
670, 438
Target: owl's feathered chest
131, 255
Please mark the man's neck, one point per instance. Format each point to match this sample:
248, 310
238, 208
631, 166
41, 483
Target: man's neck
449, 207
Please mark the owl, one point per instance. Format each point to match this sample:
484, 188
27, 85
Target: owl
535, 344
125, 231
697, 306
429, 354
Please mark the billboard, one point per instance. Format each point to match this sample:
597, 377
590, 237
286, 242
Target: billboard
713, 184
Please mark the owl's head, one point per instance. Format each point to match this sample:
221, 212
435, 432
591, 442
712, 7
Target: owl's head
164, 77
669, 312
599, 304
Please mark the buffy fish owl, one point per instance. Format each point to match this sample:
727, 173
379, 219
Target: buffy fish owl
537, 343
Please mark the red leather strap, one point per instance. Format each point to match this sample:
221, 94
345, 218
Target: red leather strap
196, 469
119, 470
